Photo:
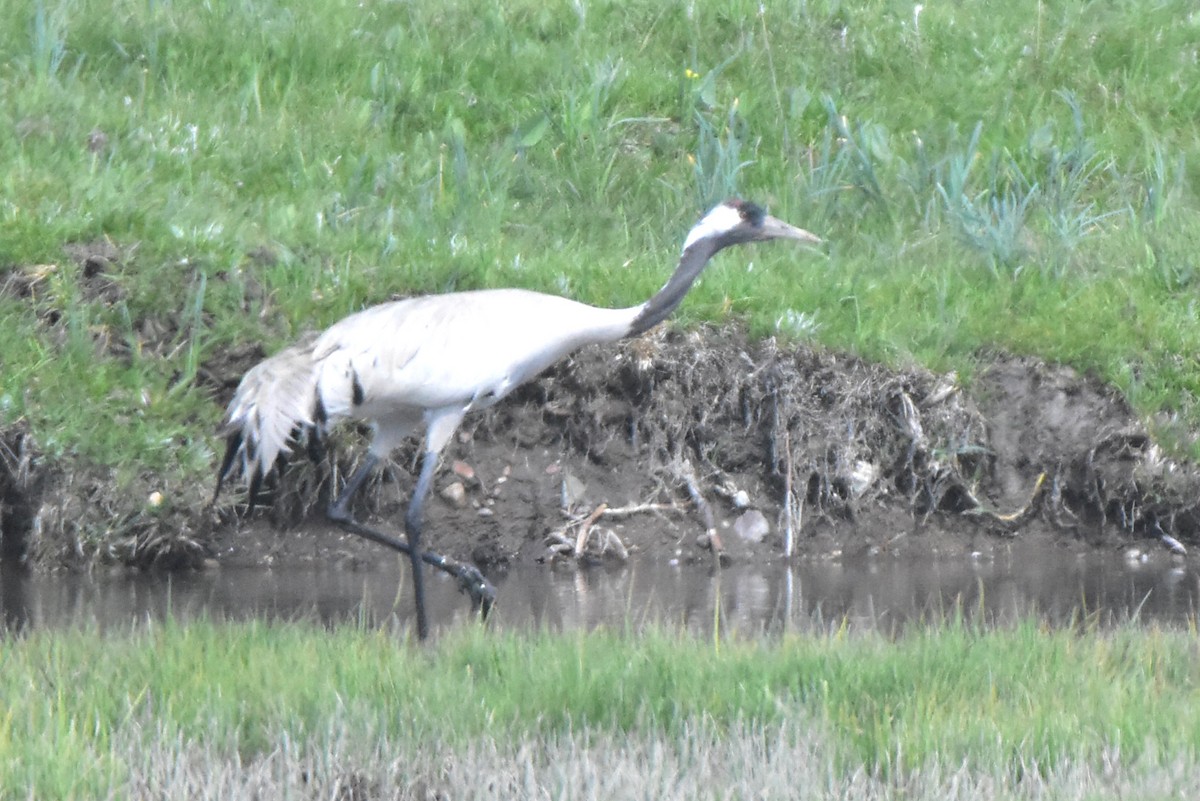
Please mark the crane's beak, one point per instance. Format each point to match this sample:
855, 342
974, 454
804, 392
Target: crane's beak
774, 228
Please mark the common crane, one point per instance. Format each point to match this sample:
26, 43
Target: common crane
427, 361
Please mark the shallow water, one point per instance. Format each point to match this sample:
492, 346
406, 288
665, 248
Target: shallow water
882, 592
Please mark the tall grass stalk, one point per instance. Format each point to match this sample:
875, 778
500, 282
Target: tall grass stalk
89, 715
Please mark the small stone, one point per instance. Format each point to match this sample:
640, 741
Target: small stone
702, 541
573, 490
487, 511
1135, 554
862, 477
741, 499
155, 500
455, 494
463, 470
752, 526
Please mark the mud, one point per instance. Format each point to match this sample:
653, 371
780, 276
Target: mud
695, 446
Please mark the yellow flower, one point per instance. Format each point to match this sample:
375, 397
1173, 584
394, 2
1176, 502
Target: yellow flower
690, 73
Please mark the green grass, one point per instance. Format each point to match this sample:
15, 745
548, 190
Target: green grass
90, 714
1009, 178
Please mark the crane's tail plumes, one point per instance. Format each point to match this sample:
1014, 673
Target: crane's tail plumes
274, 404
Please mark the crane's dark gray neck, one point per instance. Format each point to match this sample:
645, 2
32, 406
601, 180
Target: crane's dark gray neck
693, 261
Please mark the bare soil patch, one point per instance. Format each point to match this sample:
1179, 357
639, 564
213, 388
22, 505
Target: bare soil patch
680, 445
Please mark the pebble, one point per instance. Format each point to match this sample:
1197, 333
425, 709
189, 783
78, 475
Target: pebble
1135, 554
455, 494
752, 526
862, 477
573, 490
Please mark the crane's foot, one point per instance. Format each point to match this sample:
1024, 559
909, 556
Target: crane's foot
480, 590
470, 579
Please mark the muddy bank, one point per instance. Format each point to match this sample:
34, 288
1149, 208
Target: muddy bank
680, 445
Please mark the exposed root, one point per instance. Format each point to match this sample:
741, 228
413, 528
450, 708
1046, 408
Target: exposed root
686, 474
1011, 523
640, 508
609, 544
793, 506
585, 528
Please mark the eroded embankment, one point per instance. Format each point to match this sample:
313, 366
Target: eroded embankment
677, 445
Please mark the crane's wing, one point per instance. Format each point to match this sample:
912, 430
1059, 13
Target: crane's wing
466, 348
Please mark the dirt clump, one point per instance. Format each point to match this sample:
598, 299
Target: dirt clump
703, 444
20, 487
690, 446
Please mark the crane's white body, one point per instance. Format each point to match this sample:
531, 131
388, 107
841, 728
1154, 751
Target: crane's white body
411, 362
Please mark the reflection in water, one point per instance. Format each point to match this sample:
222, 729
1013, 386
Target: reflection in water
1050, 583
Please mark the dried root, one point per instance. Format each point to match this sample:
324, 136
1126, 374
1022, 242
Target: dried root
686, 474
1010, 523
591, 542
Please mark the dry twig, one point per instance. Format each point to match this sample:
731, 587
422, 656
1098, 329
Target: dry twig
585, 528
686, 474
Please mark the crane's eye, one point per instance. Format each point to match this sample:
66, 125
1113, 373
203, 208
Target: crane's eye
750, 212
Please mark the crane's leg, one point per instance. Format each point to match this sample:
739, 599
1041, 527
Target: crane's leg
412, 526
339, 510
481, 591
440, 425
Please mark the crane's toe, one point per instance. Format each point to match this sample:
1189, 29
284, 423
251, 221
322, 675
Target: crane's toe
483, 594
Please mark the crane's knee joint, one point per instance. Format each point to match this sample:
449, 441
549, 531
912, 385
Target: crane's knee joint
339, 514
412, 526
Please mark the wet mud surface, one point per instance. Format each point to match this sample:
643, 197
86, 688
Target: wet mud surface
692, 446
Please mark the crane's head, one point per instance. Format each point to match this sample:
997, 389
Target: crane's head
737, 221
731, 223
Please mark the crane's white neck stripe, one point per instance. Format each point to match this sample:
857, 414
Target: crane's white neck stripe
718, 221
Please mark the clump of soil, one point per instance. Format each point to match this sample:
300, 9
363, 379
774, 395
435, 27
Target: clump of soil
19, 486
691, 446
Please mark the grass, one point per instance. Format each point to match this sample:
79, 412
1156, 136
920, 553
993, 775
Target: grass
1012, 179
219, 709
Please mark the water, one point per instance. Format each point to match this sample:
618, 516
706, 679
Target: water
1050, 583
